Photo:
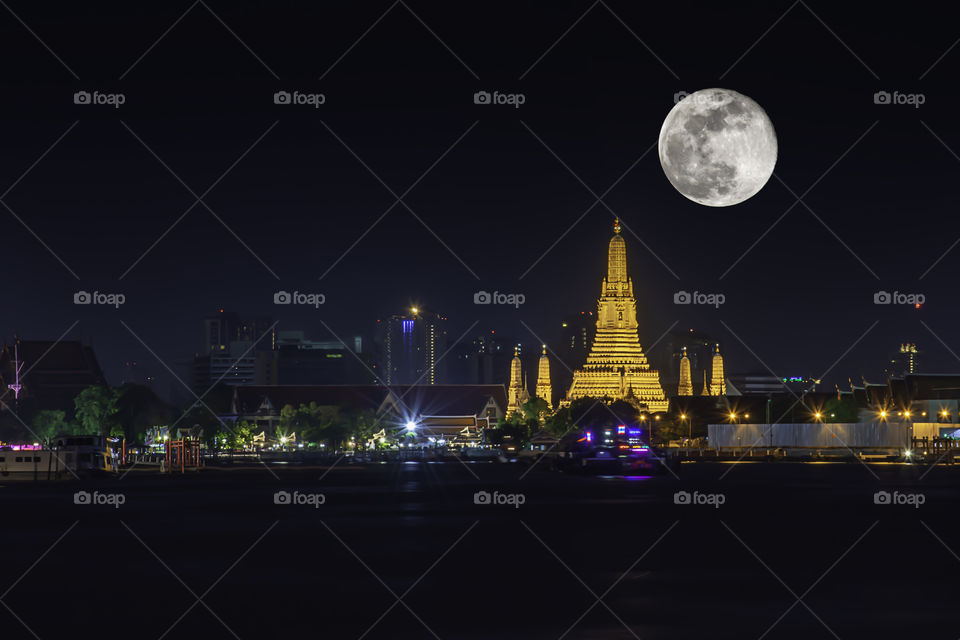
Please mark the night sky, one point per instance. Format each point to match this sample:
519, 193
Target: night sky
494, 186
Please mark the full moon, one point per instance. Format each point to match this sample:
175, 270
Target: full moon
717, 147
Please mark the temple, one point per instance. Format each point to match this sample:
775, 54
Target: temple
544, 389
718, 385
517, 391
686, 382
616, 366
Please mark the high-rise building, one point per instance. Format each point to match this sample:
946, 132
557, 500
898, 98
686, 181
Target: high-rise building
410, 348
577, 331
616, 366
220, 330
236, 351
481, 360
225, 327
576, 336
544, 388
903, 361
301, 361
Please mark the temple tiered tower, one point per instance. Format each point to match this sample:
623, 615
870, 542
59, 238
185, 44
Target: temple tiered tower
616, 366
705, 389
686, 382
517, 391
718, 386
544, 389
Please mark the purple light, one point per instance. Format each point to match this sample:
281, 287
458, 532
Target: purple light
589, 436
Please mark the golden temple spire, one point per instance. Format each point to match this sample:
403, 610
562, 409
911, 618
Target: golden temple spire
517, 390
718, 384
544, 388
616, 365
686, 383
616, 260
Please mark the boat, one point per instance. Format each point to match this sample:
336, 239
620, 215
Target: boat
70, 454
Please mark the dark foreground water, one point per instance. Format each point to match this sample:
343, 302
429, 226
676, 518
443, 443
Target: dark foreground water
404, 551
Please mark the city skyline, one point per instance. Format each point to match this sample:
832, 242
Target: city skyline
307, 303
250, 337
495, 197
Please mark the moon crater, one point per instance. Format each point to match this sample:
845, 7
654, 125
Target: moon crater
717, 147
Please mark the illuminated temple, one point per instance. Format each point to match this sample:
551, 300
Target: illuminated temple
616, 366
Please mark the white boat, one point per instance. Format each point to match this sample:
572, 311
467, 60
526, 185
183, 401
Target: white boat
76, 454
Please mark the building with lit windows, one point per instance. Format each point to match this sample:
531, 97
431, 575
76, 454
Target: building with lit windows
235, 351
410, 348
904, 361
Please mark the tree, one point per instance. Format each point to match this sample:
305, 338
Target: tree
139, 409
836, 410
560, 422
238, 435
534, 409
515, 427
307, 421
96, 409
48, 424
362, 425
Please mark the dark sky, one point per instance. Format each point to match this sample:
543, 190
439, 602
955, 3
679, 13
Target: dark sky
398, 97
